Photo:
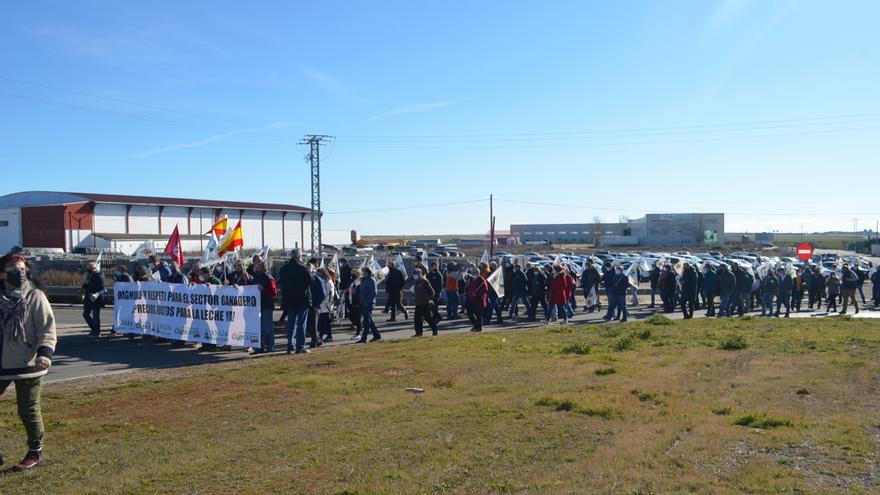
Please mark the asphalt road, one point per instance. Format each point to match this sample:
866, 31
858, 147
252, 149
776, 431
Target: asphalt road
79, 355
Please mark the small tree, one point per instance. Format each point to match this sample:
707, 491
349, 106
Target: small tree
596, 228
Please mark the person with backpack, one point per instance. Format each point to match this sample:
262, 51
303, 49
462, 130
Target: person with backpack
478, 297
268, 291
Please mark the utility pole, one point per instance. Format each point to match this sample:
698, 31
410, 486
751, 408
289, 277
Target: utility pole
491, 228
314, 158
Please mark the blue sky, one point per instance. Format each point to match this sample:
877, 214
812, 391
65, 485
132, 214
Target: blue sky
765, 110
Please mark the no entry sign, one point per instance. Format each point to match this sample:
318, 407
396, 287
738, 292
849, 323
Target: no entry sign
805, 251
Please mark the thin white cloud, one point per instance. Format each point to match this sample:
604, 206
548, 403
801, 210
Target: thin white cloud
333, 85
421, 107
210, 139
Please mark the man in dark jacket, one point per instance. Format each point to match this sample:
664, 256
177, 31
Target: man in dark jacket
519, 289
710, 276
848, 286
654, 277
769, 288
537, 289
507, 277
862, 275
619, 287
742, 289
590, 281
296, 299
786, 285
875, 283
688, 291
93, 298
435, 278
667, 286
725, 287
816, 288
608, 280
394, 283
424, 298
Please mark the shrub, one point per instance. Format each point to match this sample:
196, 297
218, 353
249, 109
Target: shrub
624, 344
762, 422
557, 404
597, 412
803, 391
643, 335
605, 371
575, 348
659, 320
733, 343
721, 411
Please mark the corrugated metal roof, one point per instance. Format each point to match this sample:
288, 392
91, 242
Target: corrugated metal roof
30, 198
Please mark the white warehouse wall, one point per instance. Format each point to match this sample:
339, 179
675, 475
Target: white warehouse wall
143, 220
109, 218
10, 228
252, 229
272, 223
174, 215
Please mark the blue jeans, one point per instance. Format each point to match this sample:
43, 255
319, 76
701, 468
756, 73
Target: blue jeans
367, 322
555, 309
767, 303
451, 304
514, 302
267, 330
296, 328
724, 306
92, 315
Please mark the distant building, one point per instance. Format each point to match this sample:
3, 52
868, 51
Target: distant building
670, 229
68, 221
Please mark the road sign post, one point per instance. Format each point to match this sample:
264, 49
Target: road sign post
804, 251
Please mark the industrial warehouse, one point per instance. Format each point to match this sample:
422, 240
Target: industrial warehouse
654, 229
70, 222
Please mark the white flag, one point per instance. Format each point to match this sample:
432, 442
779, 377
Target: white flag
398, 262
145, 250
485, 257
98, 259
334, 265
209, 256
496, 280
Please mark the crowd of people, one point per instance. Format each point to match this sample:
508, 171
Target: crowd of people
315, 298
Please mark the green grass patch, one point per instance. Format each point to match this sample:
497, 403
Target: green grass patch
605, 371
575, 348
643, 334
659, 320
721, 411
557, 404
733, 343
762, 422
624, 344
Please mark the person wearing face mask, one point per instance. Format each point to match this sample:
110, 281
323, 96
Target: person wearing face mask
424, 296
176, 276
27, 343
435, 278
121, 274
268, 291
93, 298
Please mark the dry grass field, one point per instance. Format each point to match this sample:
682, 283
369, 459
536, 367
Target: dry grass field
700, 406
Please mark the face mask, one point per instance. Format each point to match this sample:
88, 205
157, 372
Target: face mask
15, 277
118, 274
418, 277
202, 278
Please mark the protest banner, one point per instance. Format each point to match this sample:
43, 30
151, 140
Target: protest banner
211, 314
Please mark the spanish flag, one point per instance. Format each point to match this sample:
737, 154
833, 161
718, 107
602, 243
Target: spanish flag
219, 227
233, 239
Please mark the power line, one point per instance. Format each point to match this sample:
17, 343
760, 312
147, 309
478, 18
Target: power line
617, 143
611, 131
405, 208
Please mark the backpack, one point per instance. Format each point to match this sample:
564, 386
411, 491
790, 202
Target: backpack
271, 289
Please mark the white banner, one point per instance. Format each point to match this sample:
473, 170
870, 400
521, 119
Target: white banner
212, 314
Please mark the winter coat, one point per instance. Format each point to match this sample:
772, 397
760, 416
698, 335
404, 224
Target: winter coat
591, 278
850, 280
743, 281
295, 282
786, 286
833, 286
725, 284
329, 290
538, 285
667, 282
689, 283
18, 359
560, 288
709, 280
366, 293
654, 277
519, 282
620, 284
424, 293
436, 280
394, 281
770, 285
94, 288
478, 293
608, 278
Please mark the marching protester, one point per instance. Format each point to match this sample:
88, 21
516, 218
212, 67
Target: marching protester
325, 310
590, 280
519, 290
833, 287
619, 287
367, 297
710, 276
478, 297
268, 291
296, 298
817, 288
537, 288
452, 280
93, 298
742, 289
435, 278
122, 274
424, 299
725, 287
786, 285
354, 303
668, 286
560, 288
495, 303
862, 276
394, 283
848, 286
316, 288
875, 285
797, 290
654, 279
688, 291
769, 288
27, 336
175, 276
160, 267
143, 274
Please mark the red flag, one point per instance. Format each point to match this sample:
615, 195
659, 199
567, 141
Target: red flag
174, 248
